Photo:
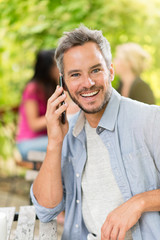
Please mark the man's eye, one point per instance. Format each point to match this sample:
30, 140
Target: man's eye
95, 70
75, 75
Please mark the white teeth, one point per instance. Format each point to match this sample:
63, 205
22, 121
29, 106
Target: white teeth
89, 94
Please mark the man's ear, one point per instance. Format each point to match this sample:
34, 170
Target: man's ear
112, 72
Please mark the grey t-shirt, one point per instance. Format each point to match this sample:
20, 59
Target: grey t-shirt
100, 192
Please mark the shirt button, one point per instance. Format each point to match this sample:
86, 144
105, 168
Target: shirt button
77, 201
99, 130
77, 175
76, 225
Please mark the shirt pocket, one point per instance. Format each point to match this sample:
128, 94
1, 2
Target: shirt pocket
141, 170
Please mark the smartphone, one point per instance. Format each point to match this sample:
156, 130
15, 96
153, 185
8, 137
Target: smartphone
63, 116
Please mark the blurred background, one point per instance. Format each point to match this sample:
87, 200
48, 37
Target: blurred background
28, 26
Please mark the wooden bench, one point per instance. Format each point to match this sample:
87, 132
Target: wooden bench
25, 228
32, 166
35, 157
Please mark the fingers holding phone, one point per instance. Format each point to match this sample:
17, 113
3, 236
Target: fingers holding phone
55, 107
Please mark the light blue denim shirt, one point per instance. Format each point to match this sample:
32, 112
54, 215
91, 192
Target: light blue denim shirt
130, 131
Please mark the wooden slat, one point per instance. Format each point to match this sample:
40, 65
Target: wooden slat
36, 156
31, 175
48, 231
27, 165
10, 211
26, 223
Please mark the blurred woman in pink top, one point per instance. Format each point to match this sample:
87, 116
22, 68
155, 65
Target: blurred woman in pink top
32, 133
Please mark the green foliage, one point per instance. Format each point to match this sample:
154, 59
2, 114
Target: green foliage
27, 26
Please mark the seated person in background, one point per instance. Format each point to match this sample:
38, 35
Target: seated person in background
130, 61
32, 133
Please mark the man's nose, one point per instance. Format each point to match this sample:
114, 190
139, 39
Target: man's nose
88, 81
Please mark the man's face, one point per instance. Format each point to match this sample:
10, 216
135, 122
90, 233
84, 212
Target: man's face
87, 77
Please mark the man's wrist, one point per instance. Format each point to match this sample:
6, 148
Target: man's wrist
52, 145
139, 202
142, 203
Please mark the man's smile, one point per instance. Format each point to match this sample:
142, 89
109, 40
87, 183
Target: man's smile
89, 94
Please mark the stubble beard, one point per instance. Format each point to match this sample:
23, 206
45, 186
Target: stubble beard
98, 109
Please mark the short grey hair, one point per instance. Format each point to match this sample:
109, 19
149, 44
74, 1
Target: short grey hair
80, 36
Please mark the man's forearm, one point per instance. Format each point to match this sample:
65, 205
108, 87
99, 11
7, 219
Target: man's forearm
47, 187
149, 201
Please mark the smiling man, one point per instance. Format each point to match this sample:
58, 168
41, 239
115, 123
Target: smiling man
103, 167
89, 82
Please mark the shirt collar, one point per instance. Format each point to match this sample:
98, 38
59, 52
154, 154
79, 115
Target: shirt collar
108, 119
79, 124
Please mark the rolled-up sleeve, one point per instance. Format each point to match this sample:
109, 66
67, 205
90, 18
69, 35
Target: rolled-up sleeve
46, 214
